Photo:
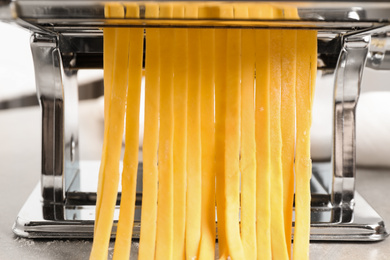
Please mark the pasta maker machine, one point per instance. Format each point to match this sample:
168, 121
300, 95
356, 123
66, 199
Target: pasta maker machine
67, 37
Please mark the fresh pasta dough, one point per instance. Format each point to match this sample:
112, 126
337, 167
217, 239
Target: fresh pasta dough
150, 142
222, 109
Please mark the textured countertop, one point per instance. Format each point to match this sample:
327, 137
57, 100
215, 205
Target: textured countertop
20, 172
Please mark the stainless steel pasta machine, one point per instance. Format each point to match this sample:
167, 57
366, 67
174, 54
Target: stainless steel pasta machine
67, 37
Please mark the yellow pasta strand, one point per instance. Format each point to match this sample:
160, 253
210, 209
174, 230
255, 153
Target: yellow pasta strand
248, 143
150, 170
110, 166
289, 38
116, 11
164, 242
220, 106
278, 238
207, 246
306, 42
180, 68
194, 181
313, 65
289, 45
262, 133
232, 144
290, 12
224, 11
130, 161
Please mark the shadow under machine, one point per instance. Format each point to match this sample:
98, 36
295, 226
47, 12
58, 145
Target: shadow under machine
67, 37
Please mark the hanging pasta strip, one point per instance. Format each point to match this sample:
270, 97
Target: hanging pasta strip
313, 65
220, 106
110, 166
306, 49
151, 136
130, 160
112, 10
289, 45
248, 143
194, 181
262, 134
278, 238
180, 70
232, 144
207, 58
224, 11
164, 242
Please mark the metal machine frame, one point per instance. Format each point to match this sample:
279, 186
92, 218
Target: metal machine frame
67, 38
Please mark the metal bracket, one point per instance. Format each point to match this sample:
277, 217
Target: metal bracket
59, 109
349, 71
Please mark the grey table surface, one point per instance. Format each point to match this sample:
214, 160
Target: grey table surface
20, 173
